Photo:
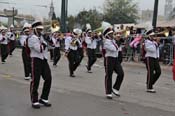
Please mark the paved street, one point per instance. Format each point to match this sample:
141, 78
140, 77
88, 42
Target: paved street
85, 95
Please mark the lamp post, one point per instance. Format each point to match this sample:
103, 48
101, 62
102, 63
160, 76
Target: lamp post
64, 8
13, 16
154, 22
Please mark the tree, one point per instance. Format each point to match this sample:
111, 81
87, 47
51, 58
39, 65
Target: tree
83, 17
120, 11
71, 23
92, 17
53, 16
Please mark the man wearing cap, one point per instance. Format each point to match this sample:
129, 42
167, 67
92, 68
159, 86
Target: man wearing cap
12, 39
25, 53
4, 44
91, 48
112, 64
71, 47
40, 66
152, 61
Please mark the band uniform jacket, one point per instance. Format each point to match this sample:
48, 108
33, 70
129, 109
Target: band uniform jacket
38, 47
68, 45
151, 48
91, 43
111, 48
3, 39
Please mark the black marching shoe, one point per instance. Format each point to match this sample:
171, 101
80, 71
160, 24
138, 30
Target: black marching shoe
116, 92
72, 75
36, 105
45, 103
88, 70
109, 96
3, 62
54, 65
151, 91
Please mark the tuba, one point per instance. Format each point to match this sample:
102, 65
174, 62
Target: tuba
55, 26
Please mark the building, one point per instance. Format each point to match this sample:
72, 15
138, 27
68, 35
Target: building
146, 15
51, 12
168, 9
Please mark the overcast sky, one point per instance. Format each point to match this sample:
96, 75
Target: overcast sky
28, 6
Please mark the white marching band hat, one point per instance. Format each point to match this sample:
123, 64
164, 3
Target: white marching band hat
37, 25
26, 27
88, 28
11, 26
107, 28
77, 31
3, 28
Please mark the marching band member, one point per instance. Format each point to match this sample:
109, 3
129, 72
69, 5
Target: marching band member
12, 39
80, 47
152, 61
56, 42
91, 48
112, 64
55, 27
56, 51
25, 55
40, 67
119, 42
71, 47
48, 38
4, 44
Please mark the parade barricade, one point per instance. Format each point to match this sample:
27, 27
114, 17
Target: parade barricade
135, 53
167, 50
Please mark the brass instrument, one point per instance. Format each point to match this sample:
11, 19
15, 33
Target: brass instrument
55, 26
75, 35
74, 42
159, 34
166, 32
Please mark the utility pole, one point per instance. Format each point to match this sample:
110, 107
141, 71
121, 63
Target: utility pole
13, 16
64, 15
154, 22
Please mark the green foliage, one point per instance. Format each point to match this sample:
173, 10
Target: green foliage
92, 17
71, 23
4, 24
120, 11
115, 12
